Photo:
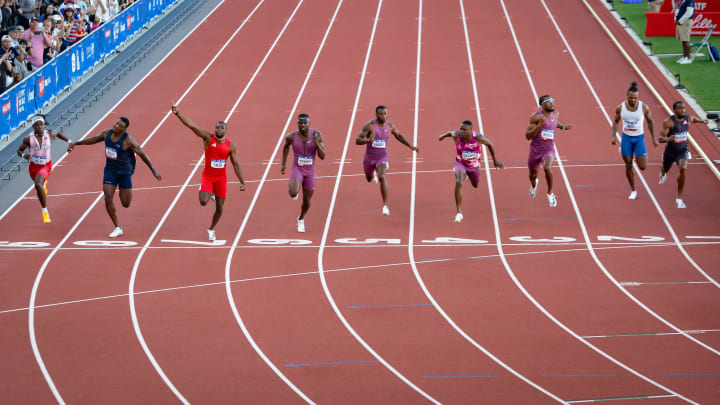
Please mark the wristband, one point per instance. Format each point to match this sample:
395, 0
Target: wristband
153, 170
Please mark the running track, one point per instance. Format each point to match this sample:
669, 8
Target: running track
520, 303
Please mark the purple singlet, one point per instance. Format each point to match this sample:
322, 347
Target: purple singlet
376, 151
543, 144
303, 167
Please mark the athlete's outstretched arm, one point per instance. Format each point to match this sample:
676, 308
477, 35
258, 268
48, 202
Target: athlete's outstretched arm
616, 121
667, 126
202, 133
132, 144
365, 136
58, 135
498, 164
452, 134
286, 151
402, 139
236, 165
87, 141
24, 145
697, 120
319, 147
564, 127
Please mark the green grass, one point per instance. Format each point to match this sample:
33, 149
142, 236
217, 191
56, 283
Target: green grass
701, 78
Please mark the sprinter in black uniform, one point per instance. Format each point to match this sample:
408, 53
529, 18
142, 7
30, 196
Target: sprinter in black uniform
675, 133
120, 150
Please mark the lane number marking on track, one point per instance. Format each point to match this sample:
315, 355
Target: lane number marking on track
105, 243
607, 238
450, 239
23, 244
370, 241
280, 241
218, 242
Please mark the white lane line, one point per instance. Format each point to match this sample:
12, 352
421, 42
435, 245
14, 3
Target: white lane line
375, 266
38, 278
326, 229
411, 231
637, 169
228, 263
136, 266
586, 235
507, 265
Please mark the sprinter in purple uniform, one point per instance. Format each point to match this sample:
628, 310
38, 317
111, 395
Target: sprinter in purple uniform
468, 148
375, 134
306, 144
541, 134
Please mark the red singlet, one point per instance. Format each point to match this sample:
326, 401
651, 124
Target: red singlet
216, 156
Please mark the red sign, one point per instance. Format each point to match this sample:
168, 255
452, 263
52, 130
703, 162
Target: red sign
107, 33
709, 6
41, 86
6, 108
663, 24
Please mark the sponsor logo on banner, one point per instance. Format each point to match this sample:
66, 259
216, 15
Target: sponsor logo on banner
74, 62
107, 33
702, 24
20, 102
116, 30
6, 107
129, 21
41, 86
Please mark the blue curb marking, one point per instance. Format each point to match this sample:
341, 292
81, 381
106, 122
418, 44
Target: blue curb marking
331, 364
386, 306
539, 219
578, 375
688, 374
459, 376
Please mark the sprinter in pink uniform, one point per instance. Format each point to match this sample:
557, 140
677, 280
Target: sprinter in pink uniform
306, 143
40, 159
375, 134
468, 147
541, 134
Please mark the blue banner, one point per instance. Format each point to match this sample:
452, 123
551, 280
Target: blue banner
46, 86
22, 96
6, 105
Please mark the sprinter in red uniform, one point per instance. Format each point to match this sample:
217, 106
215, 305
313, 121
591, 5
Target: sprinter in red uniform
214, 177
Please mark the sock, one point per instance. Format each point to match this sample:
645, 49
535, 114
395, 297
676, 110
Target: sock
44, 210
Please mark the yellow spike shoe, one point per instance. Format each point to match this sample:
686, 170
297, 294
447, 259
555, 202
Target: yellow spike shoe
46, 217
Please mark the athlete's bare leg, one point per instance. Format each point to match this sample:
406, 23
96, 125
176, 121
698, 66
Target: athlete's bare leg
294, 187
219, 203
40, 188
547, 166
681, 178
381, 170
125, 197
533, 176
307, 196
629, 172
204, 197
459, 178
109, 193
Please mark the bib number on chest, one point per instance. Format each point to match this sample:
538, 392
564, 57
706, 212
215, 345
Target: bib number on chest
469, 155
305, 160
378, 143
547, 135
681, 137
631, 126
38, 159
217, 163
110, 153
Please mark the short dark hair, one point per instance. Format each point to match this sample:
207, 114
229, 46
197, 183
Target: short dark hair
677, 103
380, 107
467, 123
543, 98
126, 121
303, 117
633, 87
221, 122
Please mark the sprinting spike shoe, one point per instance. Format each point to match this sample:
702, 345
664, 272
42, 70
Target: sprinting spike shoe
458, 218
632, 195
680, 203
301, 225
533, 190
116, 232
46, 217
385, 210
211, 235
551, 200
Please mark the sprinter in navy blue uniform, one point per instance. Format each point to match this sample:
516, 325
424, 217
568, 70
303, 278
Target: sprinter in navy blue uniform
120, 150
675, 134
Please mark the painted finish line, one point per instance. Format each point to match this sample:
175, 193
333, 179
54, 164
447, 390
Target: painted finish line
440, 240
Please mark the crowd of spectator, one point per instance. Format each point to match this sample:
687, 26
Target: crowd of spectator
35, 31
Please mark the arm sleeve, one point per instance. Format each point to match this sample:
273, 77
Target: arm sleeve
688, 14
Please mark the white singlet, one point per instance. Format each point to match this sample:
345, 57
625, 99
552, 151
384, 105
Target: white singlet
632, 121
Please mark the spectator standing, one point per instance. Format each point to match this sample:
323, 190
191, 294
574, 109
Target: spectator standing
21, 67
51, 50
26, 11
684, 14
76, 31
101, 10
16, 33
39, 40
7, 69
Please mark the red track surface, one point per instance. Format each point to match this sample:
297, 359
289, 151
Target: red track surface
560, 344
